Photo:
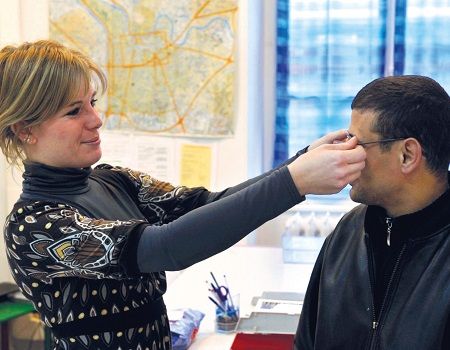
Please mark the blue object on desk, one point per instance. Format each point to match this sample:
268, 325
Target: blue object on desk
184, 330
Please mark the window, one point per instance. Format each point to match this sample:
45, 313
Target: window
426, 39
327, 50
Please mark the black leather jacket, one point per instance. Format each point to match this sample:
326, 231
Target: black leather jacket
339, 313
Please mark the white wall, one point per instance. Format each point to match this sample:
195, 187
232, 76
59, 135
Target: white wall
262, 104
10, 32
27, 20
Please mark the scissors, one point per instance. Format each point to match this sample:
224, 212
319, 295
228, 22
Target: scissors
223, 293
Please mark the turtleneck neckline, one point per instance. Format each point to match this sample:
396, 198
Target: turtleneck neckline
410, 226
41, 179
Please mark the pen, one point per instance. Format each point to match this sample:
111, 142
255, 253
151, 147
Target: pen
217, 304
215, 281
229, 294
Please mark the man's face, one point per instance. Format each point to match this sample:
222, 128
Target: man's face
380, 179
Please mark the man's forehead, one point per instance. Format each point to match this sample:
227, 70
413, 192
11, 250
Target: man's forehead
363, 120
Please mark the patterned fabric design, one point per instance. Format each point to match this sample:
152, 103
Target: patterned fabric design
65, 242
161, 198
153, 195
67, 263
47, 241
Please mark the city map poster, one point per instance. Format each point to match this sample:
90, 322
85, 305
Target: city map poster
170, 64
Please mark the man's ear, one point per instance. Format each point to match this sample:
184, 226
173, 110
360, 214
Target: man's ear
411, 155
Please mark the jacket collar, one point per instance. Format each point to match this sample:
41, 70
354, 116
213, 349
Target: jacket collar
415, 225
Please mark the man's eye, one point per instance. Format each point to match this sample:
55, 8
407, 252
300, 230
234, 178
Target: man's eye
74, 111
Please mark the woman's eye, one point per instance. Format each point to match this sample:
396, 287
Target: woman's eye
74, 111
93, 102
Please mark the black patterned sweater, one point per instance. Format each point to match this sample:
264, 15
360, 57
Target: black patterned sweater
79, 242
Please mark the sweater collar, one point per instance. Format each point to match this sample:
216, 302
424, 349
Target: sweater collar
41, 179
418, 224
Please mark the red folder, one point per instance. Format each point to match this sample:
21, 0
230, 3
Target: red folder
245, 341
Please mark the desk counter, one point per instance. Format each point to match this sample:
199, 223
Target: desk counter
249, 270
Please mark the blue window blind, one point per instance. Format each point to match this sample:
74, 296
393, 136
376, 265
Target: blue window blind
427, 39
281, 147
328, 50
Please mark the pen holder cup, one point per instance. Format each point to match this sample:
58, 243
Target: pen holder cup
226, 321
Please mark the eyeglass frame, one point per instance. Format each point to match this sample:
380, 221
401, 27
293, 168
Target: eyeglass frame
349, 136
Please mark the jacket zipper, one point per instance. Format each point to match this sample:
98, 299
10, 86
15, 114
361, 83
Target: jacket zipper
375, 322
389, 227
371, 282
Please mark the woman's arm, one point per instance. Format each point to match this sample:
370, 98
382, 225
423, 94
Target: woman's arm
214, 227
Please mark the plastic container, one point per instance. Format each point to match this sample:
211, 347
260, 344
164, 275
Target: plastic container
301, 249
226, 322
184, 325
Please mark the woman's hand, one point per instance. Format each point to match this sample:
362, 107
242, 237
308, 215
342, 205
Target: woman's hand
330, 138
328, 166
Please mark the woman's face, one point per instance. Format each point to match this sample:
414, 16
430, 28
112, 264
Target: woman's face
70, 138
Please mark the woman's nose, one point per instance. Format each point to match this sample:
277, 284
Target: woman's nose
95, 119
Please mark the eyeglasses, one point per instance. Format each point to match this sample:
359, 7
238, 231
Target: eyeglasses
349, 136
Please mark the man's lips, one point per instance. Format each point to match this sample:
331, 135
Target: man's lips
95, 140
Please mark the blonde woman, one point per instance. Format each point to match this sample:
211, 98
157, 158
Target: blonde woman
89, 247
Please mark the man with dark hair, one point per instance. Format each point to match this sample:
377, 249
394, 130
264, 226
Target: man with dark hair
382, 279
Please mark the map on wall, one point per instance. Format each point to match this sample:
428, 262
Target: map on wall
170, 64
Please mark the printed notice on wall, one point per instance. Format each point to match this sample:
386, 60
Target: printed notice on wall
152, 155
195, 165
